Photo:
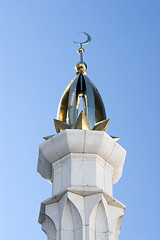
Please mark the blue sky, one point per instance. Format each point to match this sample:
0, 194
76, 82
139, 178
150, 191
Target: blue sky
37, 60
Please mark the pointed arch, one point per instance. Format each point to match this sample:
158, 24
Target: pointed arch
98, 223
71, 222
49, 228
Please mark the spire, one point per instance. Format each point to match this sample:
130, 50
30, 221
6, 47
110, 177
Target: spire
81, 66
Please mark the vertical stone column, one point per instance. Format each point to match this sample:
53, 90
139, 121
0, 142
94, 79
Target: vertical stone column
82, 167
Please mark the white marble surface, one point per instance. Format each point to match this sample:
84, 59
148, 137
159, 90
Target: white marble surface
82, 167
79, 217
84, 142
80, 171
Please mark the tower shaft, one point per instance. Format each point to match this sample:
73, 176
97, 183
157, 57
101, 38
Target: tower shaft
82, 167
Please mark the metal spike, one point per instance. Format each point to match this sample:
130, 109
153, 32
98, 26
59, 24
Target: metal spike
82, 122
46, 138
60, 126
102, 126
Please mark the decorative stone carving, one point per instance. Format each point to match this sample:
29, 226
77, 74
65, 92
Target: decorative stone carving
77, 217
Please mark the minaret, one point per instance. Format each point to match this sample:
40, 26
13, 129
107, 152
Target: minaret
82, 162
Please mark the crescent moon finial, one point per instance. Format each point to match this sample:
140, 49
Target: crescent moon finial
86, 42
81, 66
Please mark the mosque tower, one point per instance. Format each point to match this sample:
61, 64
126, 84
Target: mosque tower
82, 162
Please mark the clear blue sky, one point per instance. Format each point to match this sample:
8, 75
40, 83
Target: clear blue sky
37, 59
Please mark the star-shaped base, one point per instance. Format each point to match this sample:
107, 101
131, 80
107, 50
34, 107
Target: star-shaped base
82, 123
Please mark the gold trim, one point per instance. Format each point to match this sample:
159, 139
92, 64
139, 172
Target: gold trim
60, 126
102, 126
82, 122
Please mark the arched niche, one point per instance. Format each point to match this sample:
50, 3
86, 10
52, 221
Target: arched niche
49, 228
98, 224
71, 222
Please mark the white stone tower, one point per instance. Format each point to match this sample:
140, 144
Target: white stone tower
82, 162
